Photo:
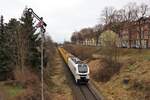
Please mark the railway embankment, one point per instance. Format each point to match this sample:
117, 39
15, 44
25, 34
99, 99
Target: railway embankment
58, 83
131, 81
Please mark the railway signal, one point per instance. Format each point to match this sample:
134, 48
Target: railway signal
41, 24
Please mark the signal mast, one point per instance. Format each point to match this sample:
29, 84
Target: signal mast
41, 24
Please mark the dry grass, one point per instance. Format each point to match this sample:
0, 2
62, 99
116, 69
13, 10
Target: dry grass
57, 81
128, 84
26, 86
132, 82
9, 90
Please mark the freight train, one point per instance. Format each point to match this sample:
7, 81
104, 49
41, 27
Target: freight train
79, 69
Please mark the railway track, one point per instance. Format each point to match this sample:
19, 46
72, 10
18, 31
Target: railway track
88, 92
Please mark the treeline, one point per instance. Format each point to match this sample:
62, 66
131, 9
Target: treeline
132, 18
19, 46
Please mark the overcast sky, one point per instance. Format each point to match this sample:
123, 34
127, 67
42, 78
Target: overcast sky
62, 16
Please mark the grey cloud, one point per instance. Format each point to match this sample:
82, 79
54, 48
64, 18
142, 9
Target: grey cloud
63, 16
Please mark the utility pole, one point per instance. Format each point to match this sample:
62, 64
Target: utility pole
41, 24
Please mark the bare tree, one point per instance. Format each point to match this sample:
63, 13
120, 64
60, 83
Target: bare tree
107, 15
98, 30
130, 13
143, 12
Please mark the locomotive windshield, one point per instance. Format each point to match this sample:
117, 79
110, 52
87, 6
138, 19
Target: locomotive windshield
82, 68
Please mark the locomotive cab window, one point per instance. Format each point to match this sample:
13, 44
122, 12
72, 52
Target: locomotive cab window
82, 68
